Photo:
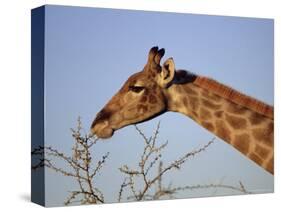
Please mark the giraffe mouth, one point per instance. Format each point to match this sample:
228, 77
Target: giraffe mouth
103, 133
102, 129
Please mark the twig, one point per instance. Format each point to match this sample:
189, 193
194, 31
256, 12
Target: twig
142, 175
80, 163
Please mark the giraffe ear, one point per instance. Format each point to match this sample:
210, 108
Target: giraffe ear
167, 73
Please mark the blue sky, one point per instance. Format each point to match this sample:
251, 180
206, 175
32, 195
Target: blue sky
91, 52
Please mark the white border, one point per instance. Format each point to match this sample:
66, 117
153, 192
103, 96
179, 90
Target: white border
15, 101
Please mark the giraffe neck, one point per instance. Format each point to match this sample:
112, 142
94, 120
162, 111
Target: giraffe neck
246, 130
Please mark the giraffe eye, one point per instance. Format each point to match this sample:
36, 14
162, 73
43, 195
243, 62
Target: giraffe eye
136, 89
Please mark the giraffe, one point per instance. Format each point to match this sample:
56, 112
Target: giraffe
241, 121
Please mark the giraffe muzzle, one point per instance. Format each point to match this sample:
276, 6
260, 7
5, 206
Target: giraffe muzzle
100, 125
102, 129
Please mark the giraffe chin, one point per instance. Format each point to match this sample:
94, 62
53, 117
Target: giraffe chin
104, 133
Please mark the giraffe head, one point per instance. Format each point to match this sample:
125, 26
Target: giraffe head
139, 99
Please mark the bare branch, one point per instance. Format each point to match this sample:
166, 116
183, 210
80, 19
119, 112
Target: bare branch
143, 182
79, 166
144, 177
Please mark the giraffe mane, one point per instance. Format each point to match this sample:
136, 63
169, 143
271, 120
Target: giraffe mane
235, 96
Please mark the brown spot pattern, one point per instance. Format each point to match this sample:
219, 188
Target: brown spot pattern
236, 109
236, 122
255, 158
185, 102
230, 94
256, 118
152, 107
142, 107
242, 142
208, 95
261, 151
264, 135
146, 92
222, 131
205, 114
143, 99
152, 99
190, 91
219, 113
210, 104
194, 103
209, 126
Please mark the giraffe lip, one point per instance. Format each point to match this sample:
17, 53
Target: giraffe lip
103, 133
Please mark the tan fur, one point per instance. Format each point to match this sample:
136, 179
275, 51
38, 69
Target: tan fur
245, 129
240, 120
235, 96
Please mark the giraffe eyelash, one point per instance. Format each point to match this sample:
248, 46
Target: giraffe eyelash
136, 89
